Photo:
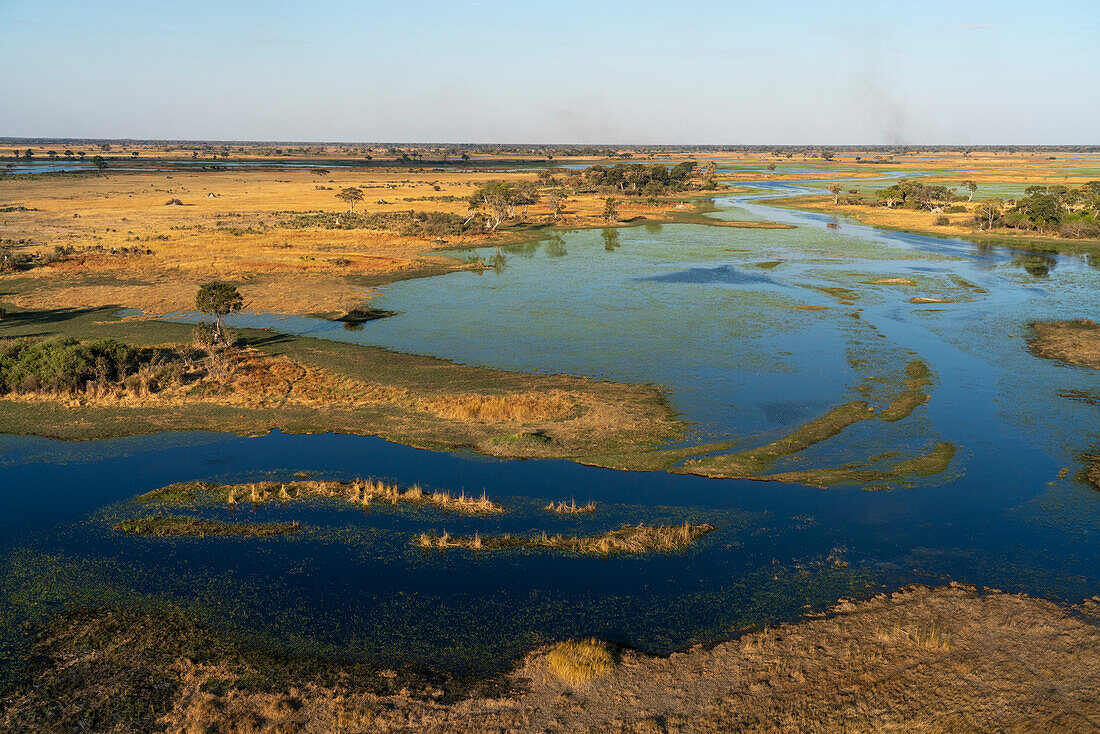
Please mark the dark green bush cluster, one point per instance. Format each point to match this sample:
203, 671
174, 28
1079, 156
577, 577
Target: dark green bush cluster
64, 365
634, 179
1069, 212
427, 224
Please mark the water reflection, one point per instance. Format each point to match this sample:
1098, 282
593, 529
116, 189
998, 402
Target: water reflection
555, 246
610, 237
1037, 266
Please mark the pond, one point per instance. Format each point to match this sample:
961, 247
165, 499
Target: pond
752, 332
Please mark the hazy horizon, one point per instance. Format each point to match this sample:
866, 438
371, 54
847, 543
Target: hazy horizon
609, 73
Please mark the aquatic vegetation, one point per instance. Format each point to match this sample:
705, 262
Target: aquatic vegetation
165, 526
1074, 342
931, 463
358, 491
628, 539
754, 463
579, 661
570, 508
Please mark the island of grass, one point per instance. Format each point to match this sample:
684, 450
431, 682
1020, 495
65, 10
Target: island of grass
53, 383
360, 492
1075, 341
946, 659
170, 526
629, 539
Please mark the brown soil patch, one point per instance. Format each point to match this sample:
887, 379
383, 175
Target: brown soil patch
929, 660
1073, 342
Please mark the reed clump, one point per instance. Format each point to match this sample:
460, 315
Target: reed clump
626, 540
579, 661
358, 491
570, 508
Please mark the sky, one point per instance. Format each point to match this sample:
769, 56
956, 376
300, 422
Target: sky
569, 71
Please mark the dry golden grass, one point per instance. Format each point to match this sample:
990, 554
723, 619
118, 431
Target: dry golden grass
628, 539
524, 407
570, 508
578, 661
358, 491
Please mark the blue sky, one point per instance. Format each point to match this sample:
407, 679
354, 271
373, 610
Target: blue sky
703, 71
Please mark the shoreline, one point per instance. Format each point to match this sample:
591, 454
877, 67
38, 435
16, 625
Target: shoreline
947, 658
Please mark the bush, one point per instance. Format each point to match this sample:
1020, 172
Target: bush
956, 209
942, 221
64, 365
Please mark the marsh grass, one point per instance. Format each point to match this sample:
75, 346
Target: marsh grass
514, 407
174, 526
570, 508
627, 539
756, 461
579, 661
358, 491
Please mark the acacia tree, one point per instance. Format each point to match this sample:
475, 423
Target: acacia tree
218, 300
497, 198
349, 196
100, 164
835, 189
971, 186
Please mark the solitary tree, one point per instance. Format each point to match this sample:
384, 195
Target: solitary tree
349, 196
82, 154
972, 186
835, 189
134, 154
555, 202
611, 209
319, 172
218, 299
771, 167
100, 163
28, 153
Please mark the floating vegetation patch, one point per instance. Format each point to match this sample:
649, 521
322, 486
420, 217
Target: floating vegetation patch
167, 526
359, 491
570, 508
627, 539
579, 661
364, 314
1081, 396
1072, 342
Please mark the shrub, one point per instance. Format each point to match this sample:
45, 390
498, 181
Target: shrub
63, 365
942, 221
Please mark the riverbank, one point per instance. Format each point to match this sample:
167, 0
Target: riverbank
946, 659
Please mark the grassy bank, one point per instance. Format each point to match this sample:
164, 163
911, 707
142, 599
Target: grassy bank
947, 659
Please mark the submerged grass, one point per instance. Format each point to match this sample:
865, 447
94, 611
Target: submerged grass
627, 539
754, 463
358, 491
166, 526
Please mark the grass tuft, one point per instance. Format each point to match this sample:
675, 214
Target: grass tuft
579, 661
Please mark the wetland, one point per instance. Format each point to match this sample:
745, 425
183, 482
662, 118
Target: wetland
659, 436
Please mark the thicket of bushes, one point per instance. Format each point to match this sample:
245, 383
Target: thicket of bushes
426, 224
69, 366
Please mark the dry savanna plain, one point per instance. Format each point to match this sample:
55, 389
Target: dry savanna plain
92, 260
